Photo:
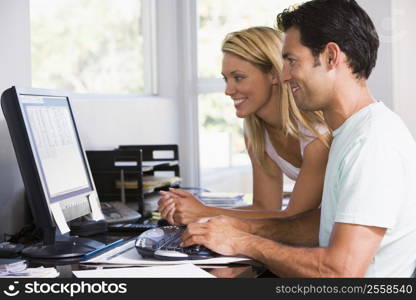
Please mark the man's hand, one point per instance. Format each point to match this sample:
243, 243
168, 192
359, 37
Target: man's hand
224, 235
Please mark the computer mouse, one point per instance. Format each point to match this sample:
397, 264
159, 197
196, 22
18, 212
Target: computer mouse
163, 222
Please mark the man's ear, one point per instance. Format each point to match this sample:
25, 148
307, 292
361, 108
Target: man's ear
331, 55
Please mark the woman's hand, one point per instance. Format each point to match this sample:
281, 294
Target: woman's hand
166, 206
181, 208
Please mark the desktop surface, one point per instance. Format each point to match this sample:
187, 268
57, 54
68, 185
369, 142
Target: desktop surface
251, 269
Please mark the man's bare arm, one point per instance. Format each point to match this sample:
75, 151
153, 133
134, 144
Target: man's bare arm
350, 252
298, 230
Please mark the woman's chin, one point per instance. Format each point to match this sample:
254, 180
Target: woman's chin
241, 114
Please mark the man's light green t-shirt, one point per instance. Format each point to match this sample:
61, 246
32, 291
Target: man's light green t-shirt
371, 180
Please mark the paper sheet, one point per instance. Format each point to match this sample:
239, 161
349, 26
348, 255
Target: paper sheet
96, 213
127, 254
59, 217
177, 271
39, 272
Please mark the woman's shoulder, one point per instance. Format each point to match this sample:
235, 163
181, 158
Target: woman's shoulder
306, 133
306, 136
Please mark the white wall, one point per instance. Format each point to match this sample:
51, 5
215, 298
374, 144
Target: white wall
15, 43
394, 79
404, 45
14, 70
104, 124
381, 79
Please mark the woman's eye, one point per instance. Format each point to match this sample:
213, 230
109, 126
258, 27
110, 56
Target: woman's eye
238, 78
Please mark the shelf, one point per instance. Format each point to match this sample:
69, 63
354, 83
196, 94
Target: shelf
127, 173
150, 183
154, 165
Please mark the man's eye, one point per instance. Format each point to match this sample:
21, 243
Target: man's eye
238, 78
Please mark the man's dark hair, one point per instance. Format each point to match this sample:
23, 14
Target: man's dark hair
343, 22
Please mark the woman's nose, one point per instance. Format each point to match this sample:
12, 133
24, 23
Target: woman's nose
229, 89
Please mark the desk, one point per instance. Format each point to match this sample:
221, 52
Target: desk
235, 270
230, 271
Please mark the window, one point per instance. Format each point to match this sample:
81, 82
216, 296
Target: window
88, 46
225, 165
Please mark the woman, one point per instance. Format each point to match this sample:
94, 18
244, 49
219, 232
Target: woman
279, 137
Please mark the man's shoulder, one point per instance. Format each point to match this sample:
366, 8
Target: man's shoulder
385, 125
375, 128
375, 122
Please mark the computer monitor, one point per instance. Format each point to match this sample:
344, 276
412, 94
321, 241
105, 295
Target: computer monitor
53, 166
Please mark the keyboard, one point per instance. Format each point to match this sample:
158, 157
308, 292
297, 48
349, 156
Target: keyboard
163, 243
118, 212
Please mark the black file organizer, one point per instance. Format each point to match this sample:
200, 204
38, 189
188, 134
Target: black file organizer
170, 162
125, 164
149, 155
110, 167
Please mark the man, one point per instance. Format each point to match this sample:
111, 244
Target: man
366, 225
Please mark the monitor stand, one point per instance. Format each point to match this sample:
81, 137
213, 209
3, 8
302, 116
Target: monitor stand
62, 247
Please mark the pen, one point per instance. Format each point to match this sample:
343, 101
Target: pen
120, 253
103, 249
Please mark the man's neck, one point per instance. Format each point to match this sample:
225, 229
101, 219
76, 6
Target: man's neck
347, 100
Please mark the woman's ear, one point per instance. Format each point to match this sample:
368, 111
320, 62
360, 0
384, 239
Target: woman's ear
275, 77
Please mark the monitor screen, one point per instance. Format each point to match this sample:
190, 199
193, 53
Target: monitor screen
54, 169
55, 145
51, 159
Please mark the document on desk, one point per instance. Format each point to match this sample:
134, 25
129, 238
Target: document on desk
39, 272
127, 255
177, 271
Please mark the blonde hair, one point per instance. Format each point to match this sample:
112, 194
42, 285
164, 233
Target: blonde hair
262, 46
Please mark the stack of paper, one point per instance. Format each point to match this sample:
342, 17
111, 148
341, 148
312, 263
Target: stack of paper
12, 265
150, 183
154, 163
39, 272
127, 255
177, 271
225, 200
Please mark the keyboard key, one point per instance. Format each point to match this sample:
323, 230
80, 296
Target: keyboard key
167, 244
